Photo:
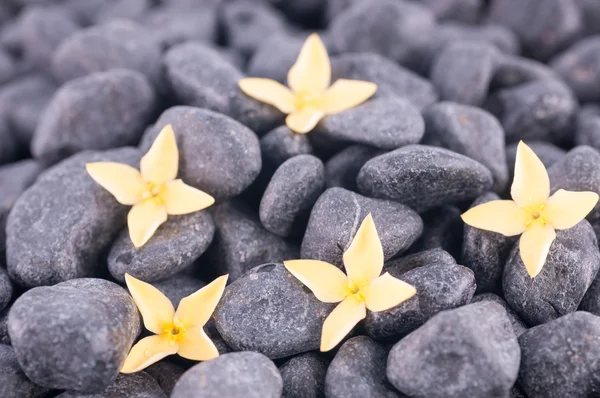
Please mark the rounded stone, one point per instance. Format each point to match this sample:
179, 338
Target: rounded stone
179, 286
6, 289
304, 376
442, 229
548, 153
275, 56
579, 67
517, 323
136, 385
409, 262
588, 126
166, 375
13, 382
343, 167
281, 144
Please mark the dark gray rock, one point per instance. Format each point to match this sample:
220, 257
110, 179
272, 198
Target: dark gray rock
424, 177
13, 382
6, 289
136, 385
439, 287
216, 154
166, 375
337, 215
84, 11
547, 152
467, 11
234, 375
466, 352
291, 194
9, 145
100, 111
404, 264
281, 144
74, 335
442, 229
304, 376
557, 290
560, 358
59, 227
275, 56
179, 286
122, 9
485, 252
358, 370
9, 68
342, 168
114, 45
512, 70
270, 311
579, 67
591, 299
517, 323
386, 123
587, 130
4, 337
242, 243
590, 12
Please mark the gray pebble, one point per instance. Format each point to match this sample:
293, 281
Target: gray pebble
560, 358
291, 194
439, 287
358, 370
122, 9
166, 375
216, 154
579, 67
512, 70
275, 56
83, 11
404, 264
517, 323
6, 289
13, 382
587, 130
179, 286
467, 11
570, 268
281, 144
234, 375
270, 311
337, 215
9, 145
442, 228
4, 336
74, 335
59, 228
304, 376
424, 177
548, 153
9, 68
466, 352
343, 167
136, 385
100, 111
590, 14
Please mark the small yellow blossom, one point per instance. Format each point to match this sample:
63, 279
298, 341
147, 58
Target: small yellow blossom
154, 192
310, 98
176, 332
362, 289
532, 212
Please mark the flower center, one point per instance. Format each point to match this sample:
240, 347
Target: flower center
174, 332
354, 289
536, 214
153, 191
307, 99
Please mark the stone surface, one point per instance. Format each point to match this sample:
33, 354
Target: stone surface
275, 56
517, 323
136, 385
304, 376
281, 144
122, 9
269, 311
179, 286
404, 264
588, 126
234, 375
166, 375
579, 67
512, 70
442, 229
6, 289
343, 167
4, 336
74, 335
173, 25
466, 352
9, 146
423, 177
337, 215
13, 382
547, 152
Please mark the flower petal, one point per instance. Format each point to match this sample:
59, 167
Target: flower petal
121, 180
534, 246
567, 208
364, 258
328, 283
197, 308
312, 70
197, 346
304, 120
341, 321
180, 198
147, 351
144, 219
531, 185
386, 292
161, 162
156, 309
270, 92
345, 94
502, 216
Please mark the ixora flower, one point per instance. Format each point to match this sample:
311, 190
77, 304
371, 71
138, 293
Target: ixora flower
362, 289
310, 98
154, 192
176, 332
532, 212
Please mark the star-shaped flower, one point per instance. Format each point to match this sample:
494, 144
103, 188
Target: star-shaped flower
310, 98
154, 193
532, 212
362, 289
176, 332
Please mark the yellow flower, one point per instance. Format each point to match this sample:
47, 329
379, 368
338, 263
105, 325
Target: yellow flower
154, 193
176, 332
534, 213
310, 97
362, 289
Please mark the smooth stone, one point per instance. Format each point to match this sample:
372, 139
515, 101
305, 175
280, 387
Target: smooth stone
95, 104
6, 289
440, 287
10, 149
358, 370
136, 385
590, 13
74, 335
275, 56
269, 311
83, 11
485, 252
517, 323
512, 70
338, 214
442, 229
216, 154
560, 358
174, 247
233, 375
179, 286
579, 67
342, 168
13, 382
587, 131
385, 123
291, 194
122, 9
424, 177
467, 11
9, 67
409, 262
548, 153
4, 336
58, 229
304, 376
569, 270
281, 144
469, 131
242, 243
591, 299
166, 375
466, 352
